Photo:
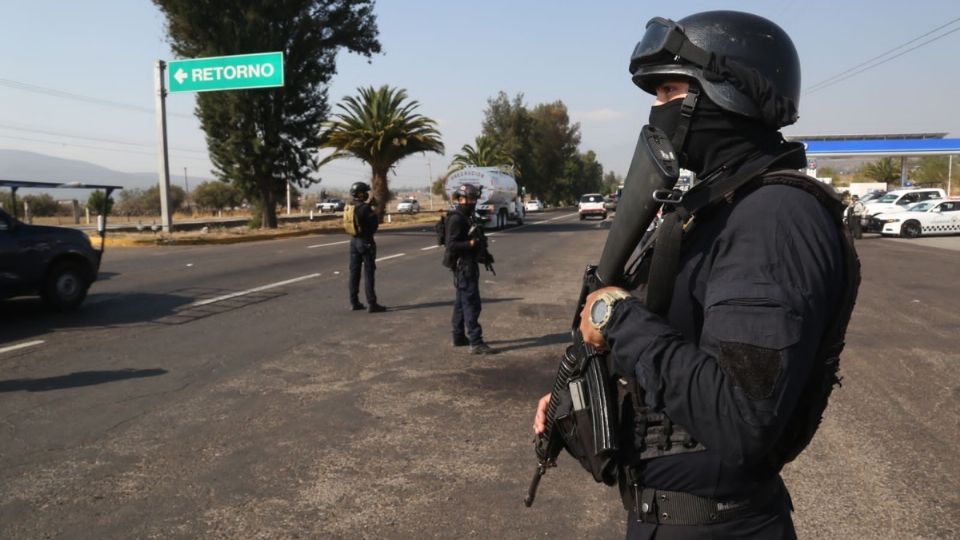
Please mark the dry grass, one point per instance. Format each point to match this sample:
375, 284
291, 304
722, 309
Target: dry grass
230, 235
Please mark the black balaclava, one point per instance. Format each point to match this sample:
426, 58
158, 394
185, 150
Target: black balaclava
467, 208
716, 137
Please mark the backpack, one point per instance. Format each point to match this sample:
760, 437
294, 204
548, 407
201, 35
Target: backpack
350, 223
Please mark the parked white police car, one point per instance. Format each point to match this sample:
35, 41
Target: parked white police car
925, 218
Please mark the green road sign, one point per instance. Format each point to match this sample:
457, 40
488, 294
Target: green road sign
225, 72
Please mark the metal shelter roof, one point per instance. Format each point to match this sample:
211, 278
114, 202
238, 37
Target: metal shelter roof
896, 144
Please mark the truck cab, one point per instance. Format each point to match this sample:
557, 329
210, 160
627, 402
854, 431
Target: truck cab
57, 263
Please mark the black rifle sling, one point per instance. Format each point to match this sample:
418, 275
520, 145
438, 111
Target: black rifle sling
665, 260
665, 263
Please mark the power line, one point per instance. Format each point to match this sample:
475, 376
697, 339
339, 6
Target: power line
95, 139
17, 85
76, 145
855, 70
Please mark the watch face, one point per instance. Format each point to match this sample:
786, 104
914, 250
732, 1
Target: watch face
598, 311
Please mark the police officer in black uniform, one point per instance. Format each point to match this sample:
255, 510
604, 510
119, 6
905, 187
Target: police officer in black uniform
463, 250
718, 390
363, 250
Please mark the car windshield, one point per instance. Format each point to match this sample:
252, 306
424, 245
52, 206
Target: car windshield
591, 198
889, 198
921, 207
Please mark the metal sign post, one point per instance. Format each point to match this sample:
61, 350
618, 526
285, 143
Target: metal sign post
244, 71
163, 156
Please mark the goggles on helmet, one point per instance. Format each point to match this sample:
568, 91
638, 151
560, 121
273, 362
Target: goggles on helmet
665, 42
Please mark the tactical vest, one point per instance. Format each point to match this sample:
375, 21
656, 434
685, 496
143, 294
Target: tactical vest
350, 223
646, 434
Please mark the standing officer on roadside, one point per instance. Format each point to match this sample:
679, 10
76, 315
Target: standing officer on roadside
854, 215
462, 252
726, 383
363, 249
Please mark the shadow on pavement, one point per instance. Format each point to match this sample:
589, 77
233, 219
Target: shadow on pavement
447, 303
21, 318
73, 380
528, 342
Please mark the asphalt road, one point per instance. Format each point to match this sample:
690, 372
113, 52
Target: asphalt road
228, 392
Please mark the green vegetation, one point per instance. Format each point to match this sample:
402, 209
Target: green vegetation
485, 153
260, 139
380, 127
543, 146
96, 201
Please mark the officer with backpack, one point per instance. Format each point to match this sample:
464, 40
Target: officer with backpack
465, 249
727, 379
361, 222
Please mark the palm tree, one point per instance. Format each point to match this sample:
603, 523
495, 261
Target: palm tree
882, 170
380, 127
487, 153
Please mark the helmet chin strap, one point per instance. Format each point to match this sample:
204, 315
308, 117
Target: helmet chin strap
687, 108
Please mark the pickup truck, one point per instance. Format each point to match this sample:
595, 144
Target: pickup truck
330, 205
57, 263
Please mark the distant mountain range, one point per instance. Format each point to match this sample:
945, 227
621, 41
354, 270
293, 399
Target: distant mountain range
34, 167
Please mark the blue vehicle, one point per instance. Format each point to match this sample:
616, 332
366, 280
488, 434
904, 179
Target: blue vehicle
57, 263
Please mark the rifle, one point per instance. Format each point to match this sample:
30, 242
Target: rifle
582, 381
483, 254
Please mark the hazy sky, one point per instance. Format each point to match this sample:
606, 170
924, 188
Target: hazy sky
453, 55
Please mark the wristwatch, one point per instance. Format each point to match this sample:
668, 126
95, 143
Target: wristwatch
602, 307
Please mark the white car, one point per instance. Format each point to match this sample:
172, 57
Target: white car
591, 204
408, 206
899, 199
331, 205
533, 205
925, 218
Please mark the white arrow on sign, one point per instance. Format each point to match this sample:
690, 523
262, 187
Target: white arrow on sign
180, 75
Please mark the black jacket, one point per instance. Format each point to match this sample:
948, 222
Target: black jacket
367, 220
458, 237
759, 278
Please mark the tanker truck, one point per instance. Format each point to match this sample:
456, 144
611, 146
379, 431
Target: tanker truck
500, 198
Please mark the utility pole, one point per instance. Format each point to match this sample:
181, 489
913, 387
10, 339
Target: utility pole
163, 161
949, 174
430, 183
186, 186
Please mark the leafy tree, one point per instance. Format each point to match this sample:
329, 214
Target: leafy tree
130, 203
508, 124
260, 139
96, 200
380, 127
932, 170
150, 200
611, 182
553, 142
42, 205
6, 201
882, 170
438, 186
217, 196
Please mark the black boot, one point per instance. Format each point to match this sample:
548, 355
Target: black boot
460, 341
358, 307
376, 308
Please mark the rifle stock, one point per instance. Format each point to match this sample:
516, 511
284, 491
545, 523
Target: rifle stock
653, 169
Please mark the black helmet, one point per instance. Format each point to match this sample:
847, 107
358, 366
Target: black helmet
359, 187
468, 191
746, 64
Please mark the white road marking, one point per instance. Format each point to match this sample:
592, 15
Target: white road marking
429, 248
249, 291
22, 346
390, 257
330, 244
